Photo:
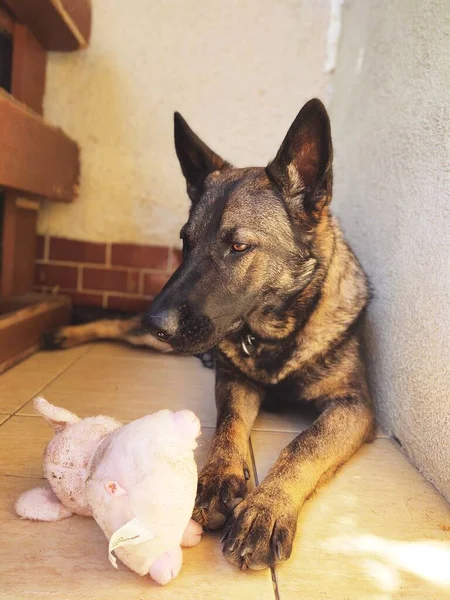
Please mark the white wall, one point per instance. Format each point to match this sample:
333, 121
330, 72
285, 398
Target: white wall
238, 70
390, 116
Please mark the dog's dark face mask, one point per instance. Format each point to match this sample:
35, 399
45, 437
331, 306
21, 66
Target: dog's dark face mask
247, 243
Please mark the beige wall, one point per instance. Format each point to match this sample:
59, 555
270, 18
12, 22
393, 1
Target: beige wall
238, 70
390, 117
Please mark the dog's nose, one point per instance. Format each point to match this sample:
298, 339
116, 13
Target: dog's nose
162, 323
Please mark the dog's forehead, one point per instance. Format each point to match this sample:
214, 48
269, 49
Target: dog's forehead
232, 198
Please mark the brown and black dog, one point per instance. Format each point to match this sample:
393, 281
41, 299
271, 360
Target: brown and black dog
269, 282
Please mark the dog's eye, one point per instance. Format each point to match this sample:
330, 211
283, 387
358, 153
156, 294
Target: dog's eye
240, 247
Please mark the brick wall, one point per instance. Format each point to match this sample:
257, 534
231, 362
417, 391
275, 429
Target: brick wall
118, 276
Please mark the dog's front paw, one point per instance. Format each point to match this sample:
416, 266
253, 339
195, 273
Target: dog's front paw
221, 486
261, 530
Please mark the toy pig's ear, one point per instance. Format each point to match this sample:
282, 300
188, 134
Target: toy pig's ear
58, 418
114, 489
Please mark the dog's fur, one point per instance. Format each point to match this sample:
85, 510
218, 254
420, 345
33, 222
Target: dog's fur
283, 315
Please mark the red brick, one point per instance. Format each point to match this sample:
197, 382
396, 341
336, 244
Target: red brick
82, 299
154, 283
177, 259
133, 255
133, 282
108, 280
128, 303
40, 247
77, 251
56, 275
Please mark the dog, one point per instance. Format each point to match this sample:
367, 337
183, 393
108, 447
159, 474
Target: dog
267, 281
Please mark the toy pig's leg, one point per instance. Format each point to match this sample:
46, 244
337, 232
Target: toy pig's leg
41, 504
166, 567
192, 534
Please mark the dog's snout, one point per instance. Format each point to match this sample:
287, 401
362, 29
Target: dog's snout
162, 323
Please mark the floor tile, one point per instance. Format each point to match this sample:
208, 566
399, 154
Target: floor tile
375, 532
22, 444
69, 559
24, 381
3, 418
129, 388
285, 420
292, 421
128, 382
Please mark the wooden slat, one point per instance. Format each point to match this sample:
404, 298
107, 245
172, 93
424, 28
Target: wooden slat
19, 245
21, 330
27, 85
6, 22
28, 69
35, 158
61, 25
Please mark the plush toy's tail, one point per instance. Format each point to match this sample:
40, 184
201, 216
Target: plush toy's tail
56, 416
41, 504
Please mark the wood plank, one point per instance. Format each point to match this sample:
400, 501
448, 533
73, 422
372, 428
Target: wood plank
60, 25
27, 83
19, 243
36, 158
6, 21
20, 331
28, 69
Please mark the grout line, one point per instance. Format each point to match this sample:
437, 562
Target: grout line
96, 265
108, 255
8, 417
273, 572
114, 293
63, 291
252, 456
23, 476
276, 589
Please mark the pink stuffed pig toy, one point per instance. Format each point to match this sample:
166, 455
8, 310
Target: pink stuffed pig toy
138, 481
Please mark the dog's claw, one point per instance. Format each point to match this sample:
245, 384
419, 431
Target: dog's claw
231, 547
246, 473
224, 536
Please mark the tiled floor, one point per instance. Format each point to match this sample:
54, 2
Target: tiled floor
378, 531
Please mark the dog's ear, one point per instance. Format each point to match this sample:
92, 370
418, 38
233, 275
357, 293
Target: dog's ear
196, 159
302, 169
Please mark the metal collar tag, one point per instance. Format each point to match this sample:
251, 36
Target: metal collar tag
248, 344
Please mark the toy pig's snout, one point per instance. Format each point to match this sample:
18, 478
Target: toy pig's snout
187, 424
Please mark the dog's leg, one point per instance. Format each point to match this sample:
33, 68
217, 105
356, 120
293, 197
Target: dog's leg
262, 528
223, 480
127, 330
